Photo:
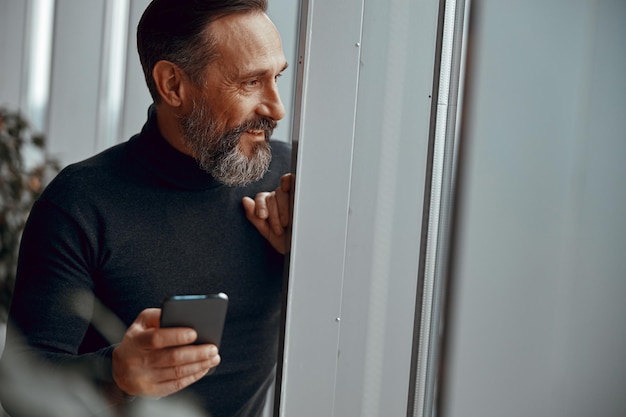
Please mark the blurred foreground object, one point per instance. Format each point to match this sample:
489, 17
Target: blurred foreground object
32, 387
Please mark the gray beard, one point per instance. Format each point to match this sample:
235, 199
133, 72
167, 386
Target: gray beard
218, 152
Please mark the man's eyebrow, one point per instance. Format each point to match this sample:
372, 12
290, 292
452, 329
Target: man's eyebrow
260, 73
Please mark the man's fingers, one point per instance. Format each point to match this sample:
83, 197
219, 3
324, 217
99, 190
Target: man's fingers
165, 388
186, 369
248, 207
179, 356
270, 213
264, 213
270, 204
283, 203
144, 333
161, 372
286, 182
283, 198
261, 204
166, 337
262, 226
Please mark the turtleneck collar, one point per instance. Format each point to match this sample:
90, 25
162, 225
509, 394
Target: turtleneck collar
155, 153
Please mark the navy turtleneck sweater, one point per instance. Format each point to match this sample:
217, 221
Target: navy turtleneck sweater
131, 226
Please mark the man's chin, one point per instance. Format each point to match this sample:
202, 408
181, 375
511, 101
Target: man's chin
239, 180
249, 144
240, 170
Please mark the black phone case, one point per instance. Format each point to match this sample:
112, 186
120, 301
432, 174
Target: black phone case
204, 313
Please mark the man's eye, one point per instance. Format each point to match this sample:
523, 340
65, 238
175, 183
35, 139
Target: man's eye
278, 76
251, 83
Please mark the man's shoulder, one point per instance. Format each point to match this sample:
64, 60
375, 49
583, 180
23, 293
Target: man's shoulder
86, 176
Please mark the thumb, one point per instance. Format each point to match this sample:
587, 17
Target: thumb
249, 207
149, 318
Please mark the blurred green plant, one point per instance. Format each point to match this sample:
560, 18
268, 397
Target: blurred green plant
25, 169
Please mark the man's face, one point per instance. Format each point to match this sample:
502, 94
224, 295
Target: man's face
235, 111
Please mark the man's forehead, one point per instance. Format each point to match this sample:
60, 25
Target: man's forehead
244, 29
248, 42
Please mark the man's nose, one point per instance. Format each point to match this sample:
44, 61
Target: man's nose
272, 106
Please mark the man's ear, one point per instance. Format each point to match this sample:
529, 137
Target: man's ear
170, 82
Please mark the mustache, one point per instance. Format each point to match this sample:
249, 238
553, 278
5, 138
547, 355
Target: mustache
260, 123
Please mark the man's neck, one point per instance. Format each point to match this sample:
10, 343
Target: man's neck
169, 126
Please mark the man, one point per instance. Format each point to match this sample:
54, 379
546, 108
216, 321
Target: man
167, 213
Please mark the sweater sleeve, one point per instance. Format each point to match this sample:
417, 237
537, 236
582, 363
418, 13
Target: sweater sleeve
53, 296
53, 303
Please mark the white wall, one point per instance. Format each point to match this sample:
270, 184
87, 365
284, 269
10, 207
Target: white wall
12, 17
539, 307
367, 94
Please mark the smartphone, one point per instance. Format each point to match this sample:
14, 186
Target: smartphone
204, 313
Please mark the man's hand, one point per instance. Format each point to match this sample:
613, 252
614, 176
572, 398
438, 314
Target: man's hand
156, 362
270, 213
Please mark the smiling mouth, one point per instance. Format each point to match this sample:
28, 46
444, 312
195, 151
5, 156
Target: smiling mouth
256, 132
